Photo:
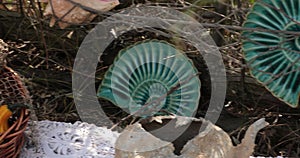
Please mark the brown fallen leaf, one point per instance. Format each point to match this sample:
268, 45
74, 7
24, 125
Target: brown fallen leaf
68, 12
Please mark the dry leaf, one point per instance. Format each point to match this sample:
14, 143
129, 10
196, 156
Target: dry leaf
67, 13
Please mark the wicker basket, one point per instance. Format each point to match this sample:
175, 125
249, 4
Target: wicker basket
12, 91
13, 139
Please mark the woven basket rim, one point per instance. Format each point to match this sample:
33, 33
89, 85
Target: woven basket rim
22, 88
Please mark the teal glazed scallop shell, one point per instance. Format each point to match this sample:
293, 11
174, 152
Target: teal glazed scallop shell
150, 77
272, 47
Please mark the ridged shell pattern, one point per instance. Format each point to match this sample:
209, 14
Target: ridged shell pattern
150, 78
274, 57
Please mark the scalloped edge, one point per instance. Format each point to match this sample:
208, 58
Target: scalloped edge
251, 73
122, 51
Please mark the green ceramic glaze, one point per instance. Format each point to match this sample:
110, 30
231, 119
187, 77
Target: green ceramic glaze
145, 72
274, 57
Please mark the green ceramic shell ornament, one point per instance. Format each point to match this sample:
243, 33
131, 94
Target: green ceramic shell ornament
150, 78
272, 48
